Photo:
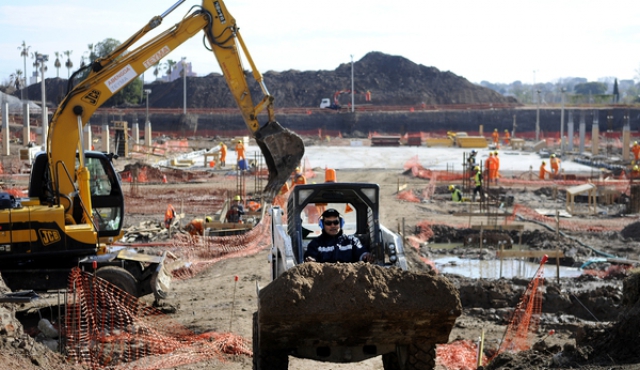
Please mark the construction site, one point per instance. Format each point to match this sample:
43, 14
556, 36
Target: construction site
415, 228
543, 268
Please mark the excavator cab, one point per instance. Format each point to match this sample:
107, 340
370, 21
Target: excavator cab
107, 198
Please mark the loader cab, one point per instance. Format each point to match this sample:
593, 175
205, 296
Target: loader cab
106, 191
356, 202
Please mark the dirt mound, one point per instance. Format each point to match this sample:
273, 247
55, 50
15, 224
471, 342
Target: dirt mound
618, 343
19, 350
631, 231
355, 302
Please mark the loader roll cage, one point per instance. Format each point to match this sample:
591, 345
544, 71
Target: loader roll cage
361, 198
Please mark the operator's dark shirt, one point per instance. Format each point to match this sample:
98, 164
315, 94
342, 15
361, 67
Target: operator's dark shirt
339, 248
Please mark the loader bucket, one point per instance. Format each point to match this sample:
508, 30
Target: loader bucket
282, 150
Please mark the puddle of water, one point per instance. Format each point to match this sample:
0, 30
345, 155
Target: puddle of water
491, 269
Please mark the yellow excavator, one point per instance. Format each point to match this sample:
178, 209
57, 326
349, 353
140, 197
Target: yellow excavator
75, 207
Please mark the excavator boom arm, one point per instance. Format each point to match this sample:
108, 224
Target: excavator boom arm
281, 148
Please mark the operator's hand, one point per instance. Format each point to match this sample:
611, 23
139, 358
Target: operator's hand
309, 259
367, 257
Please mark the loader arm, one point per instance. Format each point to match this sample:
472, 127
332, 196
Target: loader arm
281, 148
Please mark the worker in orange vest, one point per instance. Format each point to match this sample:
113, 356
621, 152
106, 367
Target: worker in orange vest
169, 216
636, 151
555, 164
507, 137
223, 154
240, 150
196, 226
495, 136
298, 178
543, 170
489, 164
497, 165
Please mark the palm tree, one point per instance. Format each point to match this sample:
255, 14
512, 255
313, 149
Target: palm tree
157, 68
57, 64
68, 63
170, 67
16, 79
24, 53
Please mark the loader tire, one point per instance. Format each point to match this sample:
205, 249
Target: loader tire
266, 360
121, 278
420, 356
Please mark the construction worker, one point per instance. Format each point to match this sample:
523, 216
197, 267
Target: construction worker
223, 154
635, 172
284, 189
471, 160
298, 178
507, 137
236, 210
333, 245
543, 170
477, 179
456, 194
495, 136
636, 151
496, 161
196, 226
489, 164
169, 216
240, 150
555, 164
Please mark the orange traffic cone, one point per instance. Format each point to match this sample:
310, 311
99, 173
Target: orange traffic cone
164, 179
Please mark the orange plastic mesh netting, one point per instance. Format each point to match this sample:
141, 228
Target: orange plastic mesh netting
202, 252
107, 328
458, 355
526, 316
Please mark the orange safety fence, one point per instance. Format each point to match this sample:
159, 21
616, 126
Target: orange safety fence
408, 195
458, 355
200, 252
308, 170
526, 316
417, 170
107, 328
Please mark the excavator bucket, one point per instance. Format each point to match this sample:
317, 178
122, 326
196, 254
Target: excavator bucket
282, 150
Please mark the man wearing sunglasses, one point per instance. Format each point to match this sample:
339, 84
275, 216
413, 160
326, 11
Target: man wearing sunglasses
333, 245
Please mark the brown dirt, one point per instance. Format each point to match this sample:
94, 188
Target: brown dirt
392, 80
214, 301
315, 292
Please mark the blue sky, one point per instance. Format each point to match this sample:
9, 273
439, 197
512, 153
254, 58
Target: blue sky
497, 41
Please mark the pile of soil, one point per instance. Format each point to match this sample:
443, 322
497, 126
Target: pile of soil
355, 302
392, 80
631, 231
20, 351
620, 342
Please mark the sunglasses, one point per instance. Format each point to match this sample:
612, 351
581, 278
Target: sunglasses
334, 222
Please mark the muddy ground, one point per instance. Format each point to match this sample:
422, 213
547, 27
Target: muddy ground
592, 328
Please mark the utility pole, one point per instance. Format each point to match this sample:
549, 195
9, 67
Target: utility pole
538, 117
184, 84
562, 90
352, 92
147, 92
41, 59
